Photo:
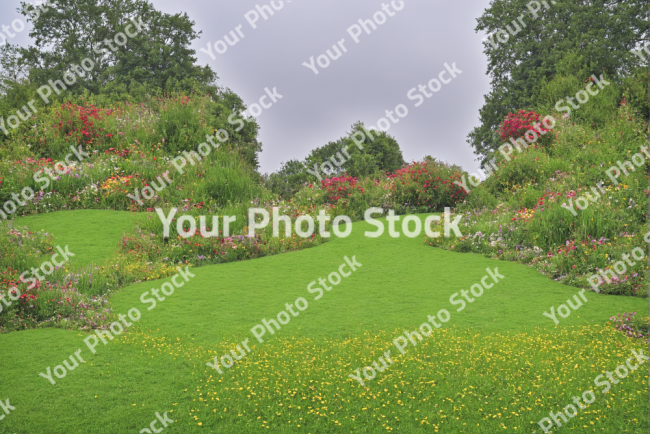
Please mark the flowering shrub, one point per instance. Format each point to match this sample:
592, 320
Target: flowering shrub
424, 186
526, 124
342, 187
70, 124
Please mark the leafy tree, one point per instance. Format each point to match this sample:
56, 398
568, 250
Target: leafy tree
374, 156
380, 154
289, 179
15, 86
159, 56
603, 31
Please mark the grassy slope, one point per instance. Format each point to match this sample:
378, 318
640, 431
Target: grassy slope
400, 283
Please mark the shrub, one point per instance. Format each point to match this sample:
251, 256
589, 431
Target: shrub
525, 124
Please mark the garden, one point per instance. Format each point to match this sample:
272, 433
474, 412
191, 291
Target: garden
494, 367
525, 295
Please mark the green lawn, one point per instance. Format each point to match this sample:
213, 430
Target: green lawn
496, 366
92, 235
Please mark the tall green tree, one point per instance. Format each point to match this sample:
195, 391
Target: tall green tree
523, 53
128, 41
15, 86
379, 152
286, 181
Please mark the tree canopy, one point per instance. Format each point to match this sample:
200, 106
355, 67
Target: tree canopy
129, 42
379, 154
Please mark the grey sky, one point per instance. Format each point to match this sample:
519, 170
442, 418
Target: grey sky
373, 76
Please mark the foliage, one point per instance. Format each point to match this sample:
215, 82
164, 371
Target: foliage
595, 112
288, 180
602, 32
521, 212
140, 140
378, 154
159, 56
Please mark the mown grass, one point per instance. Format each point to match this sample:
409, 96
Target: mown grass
496, 366
92, 235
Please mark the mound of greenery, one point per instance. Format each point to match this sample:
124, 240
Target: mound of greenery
129, 146
527, 211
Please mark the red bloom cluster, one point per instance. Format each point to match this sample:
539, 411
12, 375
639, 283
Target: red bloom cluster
27, 296
342, 187
76, 126
82, 115
516, 125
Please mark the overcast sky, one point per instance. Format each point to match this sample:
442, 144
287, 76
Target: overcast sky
374, 75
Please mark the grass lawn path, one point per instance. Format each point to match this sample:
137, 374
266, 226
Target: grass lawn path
501, 342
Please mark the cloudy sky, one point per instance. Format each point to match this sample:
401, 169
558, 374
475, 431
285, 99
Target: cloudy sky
375, 74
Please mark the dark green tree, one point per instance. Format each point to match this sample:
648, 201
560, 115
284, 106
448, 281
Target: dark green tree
380, 154
373, 156
288, 180
15, 86
129, 42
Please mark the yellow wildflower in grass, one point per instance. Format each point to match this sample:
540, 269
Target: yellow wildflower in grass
452, 379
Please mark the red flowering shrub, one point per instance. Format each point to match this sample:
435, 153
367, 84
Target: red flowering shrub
419, 187
527, 126
426, 186
71, 124
342, 187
